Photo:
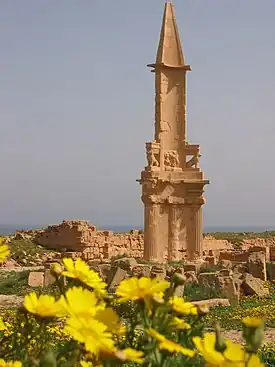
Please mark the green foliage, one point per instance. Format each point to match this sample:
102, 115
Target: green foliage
210, 269
267, 355
178, 264
230, 316
14, 283
193, 292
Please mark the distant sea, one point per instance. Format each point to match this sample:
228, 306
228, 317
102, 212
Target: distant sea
9, 229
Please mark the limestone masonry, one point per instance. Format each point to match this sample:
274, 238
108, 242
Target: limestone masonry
172, 182
79, 239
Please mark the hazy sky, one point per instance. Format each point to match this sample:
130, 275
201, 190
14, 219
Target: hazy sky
77, 107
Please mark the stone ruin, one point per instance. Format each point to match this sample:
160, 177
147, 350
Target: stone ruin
76, 238
172, 182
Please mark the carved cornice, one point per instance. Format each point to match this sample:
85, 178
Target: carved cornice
195, 201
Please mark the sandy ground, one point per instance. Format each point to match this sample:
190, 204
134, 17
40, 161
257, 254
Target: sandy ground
236, 336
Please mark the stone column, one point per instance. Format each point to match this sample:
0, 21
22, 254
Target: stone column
173, 233
194, 241
151, 250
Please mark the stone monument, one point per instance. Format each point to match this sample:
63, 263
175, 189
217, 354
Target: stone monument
172, 182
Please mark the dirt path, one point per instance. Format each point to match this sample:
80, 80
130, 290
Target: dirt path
236, 336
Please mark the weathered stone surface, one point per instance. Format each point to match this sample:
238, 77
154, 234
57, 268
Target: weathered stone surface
192, 267
251, 286
225, 272
212, 260
209, 280
226, 264
271, 271
214, 302
240, 268
191, 277
158, 271
125, 263
49, 279
257, 265
104, 270
115, 276
229, 289
36, 279
172, 162
179, 291
141, 270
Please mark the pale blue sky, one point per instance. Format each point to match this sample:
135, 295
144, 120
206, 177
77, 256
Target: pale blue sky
76, 102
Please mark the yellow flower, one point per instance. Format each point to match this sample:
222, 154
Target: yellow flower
80, 302
92, 333
10, 363
233, 355
4, 251
81, 271
110, 318
252, 361
180, 306
2, 325
44, 305
86, 364
134, 289
170, 345
179, 324
130, 354
252, 322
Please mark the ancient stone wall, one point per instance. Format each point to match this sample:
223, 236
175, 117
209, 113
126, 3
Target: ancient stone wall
79, 237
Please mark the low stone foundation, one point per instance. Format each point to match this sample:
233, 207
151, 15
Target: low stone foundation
78, 238
81, 239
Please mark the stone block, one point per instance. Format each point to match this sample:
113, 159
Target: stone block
225, 264
104, 270
179, 291
212, 260
270, 270
49, 279
229, 289
252, 285
36, 279
209, 280
272, 253
193, 267
115, 276
257, 265
214, 302
225, 272
125, 263
191, 277
141, 270
158, 271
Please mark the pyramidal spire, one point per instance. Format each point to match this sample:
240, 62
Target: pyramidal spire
169, 50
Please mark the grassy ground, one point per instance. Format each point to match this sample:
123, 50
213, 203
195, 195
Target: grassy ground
26, 253
230, 317
236, 238
16, 283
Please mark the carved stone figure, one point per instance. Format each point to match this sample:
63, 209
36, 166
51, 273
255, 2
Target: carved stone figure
194, 161
171, 158
151, 158
165, 126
